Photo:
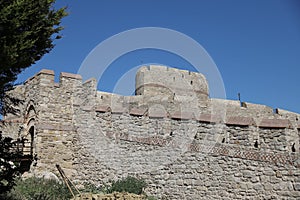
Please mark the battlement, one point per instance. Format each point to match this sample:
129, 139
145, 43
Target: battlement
46, 78
173, 90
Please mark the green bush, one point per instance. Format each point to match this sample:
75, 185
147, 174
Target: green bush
9, 170
38, 189
91, 188
128, 184
42, 189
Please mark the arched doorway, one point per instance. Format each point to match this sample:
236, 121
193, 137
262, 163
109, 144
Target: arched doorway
29, 142
28, 138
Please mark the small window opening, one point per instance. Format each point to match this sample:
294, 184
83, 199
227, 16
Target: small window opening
191, 82
223, 140
243, 104
256, 144
293, 148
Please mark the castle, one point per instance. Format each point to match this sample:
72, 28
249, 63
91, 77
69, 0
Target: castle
183, 143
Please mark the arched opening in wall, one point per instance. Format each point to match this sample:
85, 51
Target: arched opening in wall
30, 133
28, 149
29, 138
293, 148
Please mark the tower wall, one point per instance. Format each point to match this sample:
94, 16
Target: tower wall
163, 81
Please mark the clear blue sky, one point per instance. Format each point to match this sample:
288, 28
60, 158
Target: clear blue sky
255, 44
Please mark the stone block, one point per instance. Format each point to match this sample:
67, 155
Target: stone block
118, 110
103, 109
157, 113
182, 115
275, 123
209, 118
138, 111
46, 71
240, 121
71, 76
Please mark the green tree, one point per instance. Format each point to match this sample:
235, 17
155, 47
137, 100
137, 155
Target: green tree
8, 168
27, 31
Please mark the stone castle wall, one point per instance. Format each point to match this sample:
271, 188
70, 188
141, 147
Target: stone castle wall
211, 148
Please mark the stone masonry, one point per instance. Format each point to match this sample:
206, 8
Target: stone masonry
183, 143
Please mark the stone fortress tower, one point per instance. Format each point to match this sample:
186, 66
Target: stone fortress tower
162, 81
185, 144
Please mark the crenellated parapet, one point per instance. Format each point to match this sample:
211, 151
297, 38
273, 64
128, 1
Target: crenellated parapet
157, 87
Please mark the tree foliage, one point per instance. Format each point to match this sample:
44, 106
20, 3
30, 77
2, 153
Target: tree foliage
8, 168
27, 31
38, 188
